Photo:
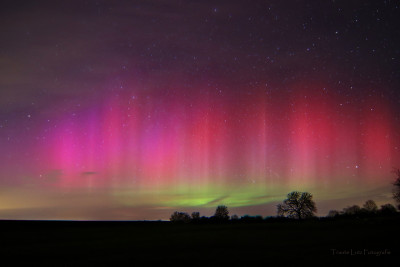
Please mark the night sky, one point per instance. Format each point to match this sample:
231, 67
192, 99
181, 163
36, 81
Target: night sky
124, 110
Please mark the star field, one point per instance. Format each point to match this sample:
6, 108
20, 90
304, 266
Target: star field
135, 109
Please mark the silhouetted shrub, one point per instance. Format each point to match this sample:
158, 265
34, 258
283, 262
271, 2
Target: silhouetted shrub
180, 217
204, 219
333, 213
352, 210
251, 219
234, 217
195, 216
387, 209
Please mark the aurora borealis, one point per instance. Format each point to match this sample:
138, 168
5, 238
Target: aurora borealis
136, 109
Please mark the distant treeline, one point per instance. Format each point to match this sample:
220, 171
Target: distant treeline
369, 210
298, 206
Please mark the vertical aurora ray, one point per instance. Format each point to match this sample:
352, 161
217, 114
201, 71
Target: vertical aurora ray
236, 151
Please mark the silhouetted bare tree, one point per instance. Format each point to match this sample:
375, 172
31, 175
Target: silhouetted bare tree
396, 191
222, 213
297, 205
370, 206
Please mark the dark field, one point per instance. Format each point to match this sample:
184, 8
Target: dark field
60, 243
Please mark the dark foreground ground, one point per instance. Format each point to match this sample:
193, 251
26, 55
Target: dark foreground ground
355, 242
